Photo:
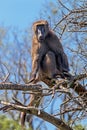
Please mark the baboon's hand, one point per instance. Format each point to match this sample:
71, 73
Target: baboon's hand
34, 78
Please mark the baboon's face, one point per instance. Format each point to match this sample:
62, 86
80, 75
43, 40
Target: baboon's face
41, 32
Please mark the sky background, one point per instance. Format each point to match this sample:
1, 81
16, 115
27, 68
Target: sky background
20, 13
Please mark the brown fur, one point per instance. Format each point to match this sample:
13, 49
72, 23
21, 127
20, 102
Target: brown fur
48, 60
51, 48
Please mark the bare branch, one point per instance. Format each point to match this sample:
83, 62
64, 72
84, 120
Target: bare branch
67, 17
39, 113
21, 87
64, 5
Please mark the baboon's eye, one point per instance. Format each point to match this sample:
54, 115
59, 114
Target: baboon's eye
41, 28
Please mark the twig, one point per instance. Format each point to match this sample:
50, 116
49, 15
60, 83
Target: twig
71, 12
64, 5
6, 77
69, 110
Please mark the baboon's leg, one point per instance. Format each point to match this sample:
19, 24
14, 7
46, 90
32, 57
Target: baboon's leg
22, 119
34, 101
49, 65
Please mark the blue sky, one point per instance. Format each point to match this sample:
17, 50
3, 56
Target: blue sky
20, 13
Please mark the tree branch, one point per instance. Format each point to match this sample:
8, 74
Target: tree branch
62, 86
39, 113
21, 87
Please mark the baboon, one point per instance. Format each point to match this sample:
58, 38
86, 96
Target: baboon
48, 57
